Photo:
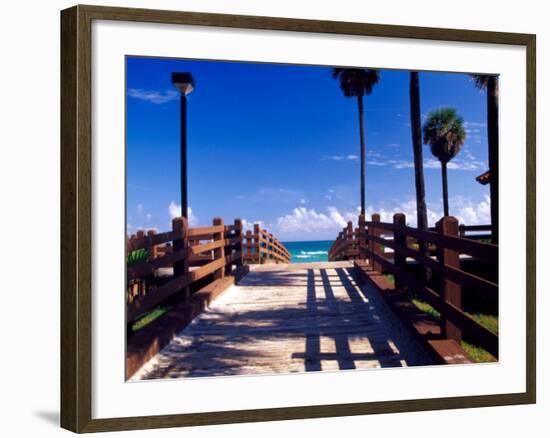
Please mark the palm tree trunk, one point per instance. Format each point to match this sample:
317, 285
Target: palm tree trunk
416, 134
362, 138
421, 210
492, 136
445, 189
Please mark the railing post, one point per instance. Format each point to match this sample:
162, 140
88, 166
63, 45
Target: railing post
271, 250
140, 234
154, 249
361, 240
399, 238
130, 243
239, 245
375, 247
449, 291
248, 243
219, 253
257, 243
349, 240
180, 243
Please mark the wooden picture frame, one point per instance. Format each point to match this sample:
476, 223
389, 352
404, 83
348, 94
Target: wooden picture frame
76, 218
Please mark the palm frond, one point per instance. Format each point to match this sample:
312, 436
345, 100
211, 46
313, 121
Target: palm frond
356, 81
444, 132
480, 81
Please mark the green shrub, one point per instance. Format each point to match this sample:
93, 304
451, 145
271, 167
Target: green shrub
137, 256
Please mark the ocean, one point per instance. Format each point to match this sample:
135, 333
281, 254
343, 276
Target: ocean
312, 251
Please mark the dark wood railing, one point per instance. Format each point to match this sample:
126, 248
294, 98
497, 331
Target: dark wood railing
171, 262
186, 255
260, 247
372, 239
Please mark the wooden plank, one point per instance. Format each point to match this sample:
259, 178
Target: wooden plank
426, 328
313, 317
200, 231
154, 298
142, 269
198, 249
464, 278
154, 337
484, 337
463, 245
450, 352
147, 242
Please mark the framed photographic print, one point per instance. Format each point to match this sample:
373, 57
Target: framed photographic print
268, 218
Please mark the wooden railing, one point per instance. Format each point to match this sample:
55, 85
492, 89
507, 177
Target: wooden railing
260, 247
186, 255
371, 240
345, 247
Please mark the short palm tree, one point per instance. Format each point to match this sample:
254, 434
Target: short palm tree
490, 83
444, 132
358, 82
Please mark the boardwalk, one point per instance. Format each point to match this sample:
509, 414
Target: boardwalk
289, 318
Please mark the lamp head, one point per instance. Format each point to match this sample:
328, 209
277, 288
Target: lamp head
183, 82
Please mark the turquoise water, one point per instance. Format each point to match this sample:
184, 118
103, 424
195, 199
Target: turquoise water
306, 252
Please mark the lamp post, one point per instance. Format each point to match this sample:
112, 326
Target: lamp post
185, 84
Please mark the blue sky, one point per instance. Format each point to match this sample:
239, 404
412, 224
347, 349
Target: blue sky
279, 144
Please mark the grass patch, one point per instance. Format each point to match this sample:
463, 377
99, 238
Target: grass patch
490, 322
477, 353
426, 308
148, 318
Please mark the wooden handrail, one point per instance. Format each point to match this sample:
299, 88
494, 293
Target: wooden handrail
462, 245
449, 241
192, 253
262, 247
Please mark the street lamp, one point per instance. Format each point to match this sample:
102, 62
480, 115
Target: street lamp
185, 84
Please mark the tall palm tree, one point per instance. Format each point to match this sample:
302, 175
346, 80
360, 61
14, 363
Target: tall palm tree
490, 84
444, 132
358, 82
416, 133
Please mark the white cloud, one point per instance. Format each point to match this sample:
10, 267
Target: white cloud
273, 194
467, 212
307, 221
303, 201
175, 210
249, 225
153, 96
468, 124
304, 223
470, 163
349, 157
191, 218
377, 163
